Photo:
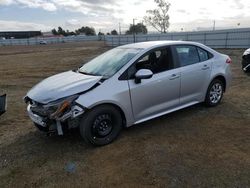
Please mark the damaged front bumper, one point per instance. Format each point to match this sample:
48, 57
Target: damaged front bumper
56, 125
36, 118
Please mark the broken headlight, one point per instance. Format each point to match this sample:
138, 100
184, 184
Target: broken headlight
58, 108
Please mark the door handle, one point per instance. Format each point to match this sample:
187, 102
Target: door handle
174, 76
205, 67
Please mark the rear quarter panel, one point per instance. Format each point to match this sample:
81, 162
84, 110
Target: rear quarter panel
221, 68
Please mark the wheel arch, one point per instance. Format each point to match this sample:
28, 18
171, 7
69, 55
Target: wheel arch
221, 78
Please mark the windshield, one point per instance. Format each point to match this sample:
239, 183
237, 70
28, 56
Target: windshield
109, 63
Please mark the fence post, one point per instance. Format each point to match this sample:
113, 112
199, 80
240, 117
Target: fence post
205, 38
226, 40
249, 39
187, 36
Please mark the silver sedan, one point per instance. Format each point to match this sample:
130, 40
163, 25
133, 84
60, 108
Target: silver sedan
128, 85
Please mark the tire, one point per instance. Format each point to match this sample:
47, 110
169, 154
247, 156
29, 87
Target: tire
214, 93
101, 125
244, 64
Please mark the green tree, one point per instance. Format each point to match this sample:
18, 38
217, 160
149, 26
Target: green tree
114, 32
77, 32
159, 18
86, 30
90, 31
54, 32
100, 33
60, 31
138, 28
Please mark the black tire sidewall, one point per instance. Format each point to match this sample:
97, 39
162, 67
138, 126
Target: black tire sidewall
207, 100
87, 122
244, 63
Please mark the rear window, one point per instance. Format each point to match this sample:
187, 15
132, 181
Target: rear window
203, 54
187, 55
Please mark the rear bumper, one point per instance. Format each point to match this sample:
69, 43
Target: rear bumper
228, 77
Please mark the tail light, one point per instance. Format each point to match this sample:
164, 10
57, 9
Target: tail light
228, 61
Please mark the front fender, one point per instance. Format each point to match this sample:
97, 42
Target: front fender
116, 94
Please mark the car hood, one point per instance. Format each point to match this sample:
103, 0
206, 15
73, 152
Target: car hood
62, 85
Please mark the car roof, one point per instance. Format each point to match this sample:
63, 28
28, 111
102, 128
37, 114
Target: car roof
150, 44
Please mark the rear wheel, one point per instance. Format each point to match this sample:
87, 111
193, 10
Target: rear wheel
214, 93
101, 125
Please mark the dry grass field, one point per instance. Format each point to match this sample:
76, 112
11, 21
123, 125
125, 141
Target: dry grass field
194, 147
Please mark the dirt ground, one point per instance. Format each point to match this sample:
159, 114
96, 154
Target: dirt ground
194, 147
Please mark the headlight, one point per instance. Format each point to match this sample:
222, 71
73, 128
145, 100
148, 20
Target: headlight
58, 108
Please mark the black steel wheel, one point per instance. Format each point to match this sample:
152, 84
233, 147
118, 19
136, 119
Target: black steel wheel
101, 125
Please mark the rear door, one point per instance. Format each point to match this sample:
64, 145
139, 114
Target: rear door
196, 68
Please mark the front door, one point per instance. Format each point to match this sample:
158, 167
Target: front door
159, 93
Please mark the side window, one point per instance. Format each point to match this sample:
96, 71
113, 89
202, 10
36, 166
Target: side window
156, 60
158, 53
143, 59
187, 55
203, 54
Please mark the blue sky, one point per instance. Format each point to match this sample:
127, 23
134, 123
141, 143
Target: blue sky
106, 15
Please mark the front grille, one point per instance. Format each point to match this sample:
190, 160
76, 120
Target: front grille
39, 110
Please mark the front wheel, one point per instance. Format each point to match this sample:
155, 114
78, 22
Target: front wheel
101, 125
214, 93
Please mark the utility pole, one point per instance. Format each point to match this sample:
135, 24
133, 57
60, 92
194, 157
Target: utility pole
120, 29
142, 32
119, 33
134, 28
214, 26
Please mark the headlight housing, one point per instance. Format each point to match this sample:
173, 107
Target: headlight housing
58, 108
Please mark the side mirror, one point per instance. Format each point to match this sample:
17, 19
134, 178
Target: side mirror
143, 74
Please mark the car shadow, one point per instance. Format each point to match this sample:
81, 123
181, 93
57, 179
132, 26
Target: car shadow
247, 73
35, 143
69, 152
